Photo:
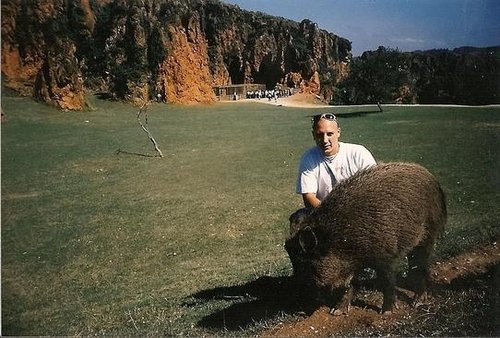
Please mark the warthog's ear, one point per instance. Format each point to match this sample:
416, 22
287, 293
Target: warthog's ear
297, 218
307, 239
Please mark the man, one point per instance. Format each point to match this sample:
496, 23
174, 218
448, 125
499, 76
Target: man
329, 162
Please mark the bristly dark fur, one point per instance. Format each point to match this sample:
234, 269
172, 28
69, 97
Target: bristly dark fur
372, 219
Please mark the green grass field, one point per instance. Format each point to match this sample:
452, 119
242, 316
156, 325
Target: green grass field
100, 243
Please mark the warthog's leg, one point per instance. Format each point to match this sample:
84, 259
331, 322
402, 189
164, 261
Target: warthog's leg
344, 304
388, 281
418, 274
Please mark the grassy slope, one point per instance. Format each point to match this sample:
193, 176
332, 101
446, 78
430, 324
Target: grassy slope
99, 243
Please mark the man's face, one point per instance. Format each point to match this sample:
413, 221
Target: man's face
326, 134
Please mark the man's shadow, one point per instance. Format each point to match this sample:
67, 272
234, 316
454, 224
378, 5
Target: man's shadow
263, 298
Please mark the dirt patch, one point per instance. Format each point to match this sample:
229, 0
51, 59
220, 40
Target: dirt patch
364, 319
475, 262
305, 98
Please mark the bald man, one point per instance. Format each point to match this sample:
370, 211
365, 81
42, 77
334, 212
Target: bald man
329, 162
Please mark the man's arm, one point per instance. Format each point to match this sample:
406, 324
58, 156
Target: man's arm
310, 200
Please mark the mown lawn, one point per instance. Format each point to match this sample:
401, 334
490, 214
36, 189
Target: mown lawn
101, 242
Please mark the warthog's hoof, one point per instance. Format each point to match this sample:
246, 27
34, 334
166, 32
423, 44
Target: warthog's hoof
339, 311
419, 300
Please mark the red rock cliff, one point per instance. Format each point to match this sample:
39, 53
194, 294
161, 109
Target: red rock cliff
133, 50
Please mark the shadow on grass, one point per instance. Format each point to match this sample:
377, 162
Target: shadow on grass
263, 298
357, 113
267, 298
119, 151
488, 278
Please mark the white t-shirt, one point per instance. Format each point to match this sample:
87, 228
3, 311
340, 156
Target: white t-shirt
319, 173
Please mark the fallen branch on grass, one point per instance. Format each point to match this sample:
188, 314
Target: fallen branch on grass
144, 109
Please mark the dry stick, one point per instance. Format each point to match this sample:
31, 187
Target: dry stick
144, 109
133, 321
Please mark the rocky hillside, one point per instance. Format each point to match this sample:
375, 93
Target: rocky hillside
461, 76
55, 50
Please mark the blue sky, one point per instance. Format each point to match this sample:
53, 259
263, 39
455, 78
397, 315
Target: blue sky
404, 24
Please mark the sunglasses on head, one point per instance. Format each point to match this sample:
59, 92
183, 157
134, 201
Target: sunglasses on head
326, 116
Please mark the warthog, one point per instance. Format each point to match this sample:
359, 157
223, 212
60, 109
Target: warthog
371, 220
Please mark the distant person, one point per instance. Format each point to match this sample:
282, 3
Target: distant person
329, 162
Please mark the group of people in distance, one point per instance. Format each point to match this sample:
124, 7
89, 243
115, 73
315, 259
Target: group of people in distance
269, 94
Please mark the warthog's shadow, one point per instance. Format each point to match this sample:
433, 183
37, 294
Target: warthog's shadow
270, 297
266, 298
263, 298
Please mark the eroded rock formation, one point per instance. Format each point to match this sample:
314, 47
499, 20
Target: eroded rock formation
133, 50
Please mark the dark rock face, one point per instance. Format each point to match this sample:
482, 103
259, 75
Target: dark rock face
133, 50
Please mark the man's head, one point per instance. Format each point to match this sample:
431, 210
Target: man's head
326, 133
